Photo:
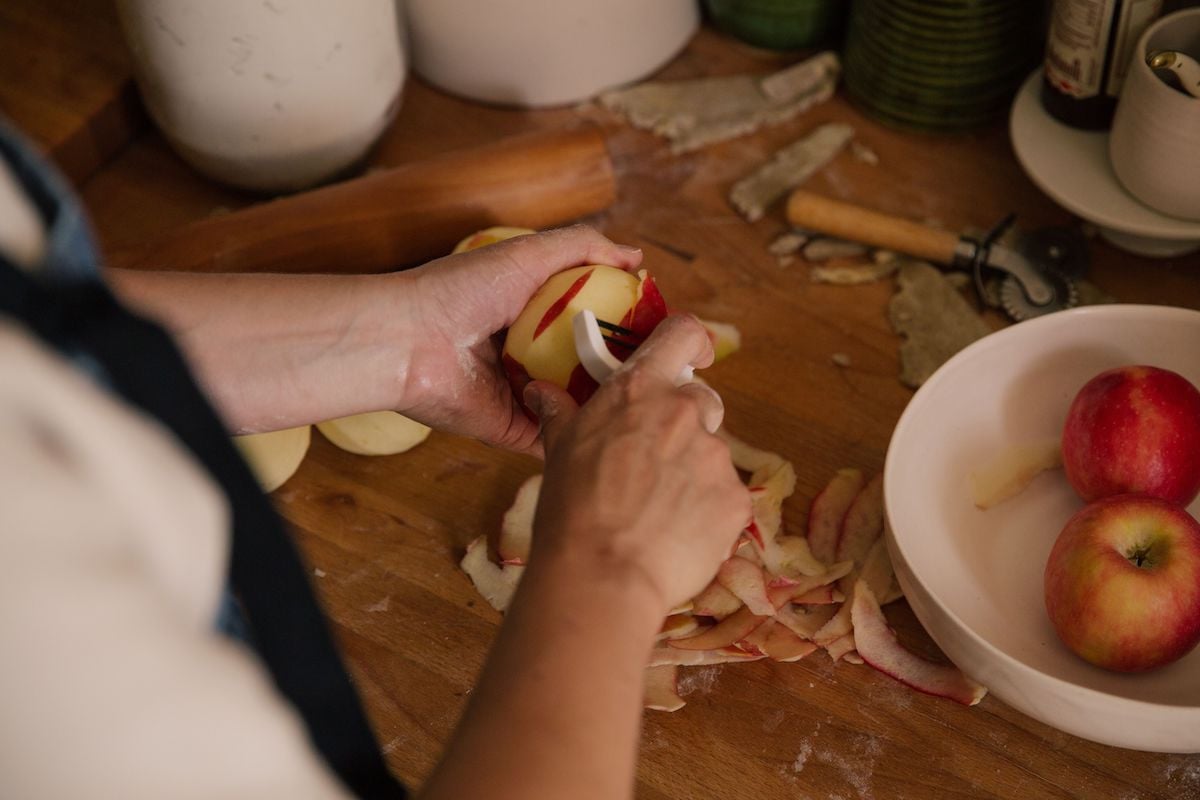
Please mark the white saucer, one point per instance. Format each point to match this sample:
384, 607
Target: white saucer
1072, 167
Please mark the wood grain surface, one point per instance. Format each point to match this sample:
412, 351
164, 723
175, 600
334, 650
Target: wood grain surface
384, 535
65, 78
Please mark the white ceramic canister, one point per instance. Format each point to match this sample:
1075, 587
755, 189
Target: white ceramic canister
1155, 141
271, 95
536, 53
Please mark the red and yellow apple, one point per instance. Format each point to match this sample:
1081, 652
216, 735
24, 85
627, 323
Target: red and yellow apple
540, 344
1122, 584
1134, 429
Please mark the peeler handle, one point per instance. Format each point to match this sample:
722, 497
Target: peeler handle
858, 224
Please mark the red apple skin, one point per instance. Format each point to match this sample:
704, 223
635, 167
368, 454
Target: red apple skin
1110, 610
1134, 429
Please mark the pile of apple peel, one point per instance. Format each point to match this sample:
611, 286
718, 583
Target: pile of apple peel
778, 596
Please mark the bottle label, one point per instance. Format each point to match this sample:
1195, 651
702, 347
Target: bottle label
1076, 46
1136, 16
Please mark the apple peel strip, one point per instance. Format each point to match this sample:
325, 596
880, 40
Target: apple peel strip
863, 523
878, 646
828, 510
496, 584
660, 690
746, 581
662, 656
516, 527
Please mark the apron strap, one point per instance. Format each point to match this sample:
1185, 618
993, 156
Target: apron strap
141, 363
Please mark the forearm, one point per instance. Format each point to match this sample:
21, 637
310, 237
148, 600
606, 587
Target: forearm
556, 712
274, 351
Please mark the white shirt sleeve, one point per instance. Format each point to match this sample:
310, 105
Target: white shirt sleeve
113, 543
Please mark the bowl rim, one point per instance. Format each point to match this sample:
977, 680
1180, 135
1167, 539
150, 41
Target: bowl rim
891, 468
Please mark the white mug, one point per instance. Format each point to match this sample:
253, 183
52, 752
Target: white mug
1155, 142
275, 95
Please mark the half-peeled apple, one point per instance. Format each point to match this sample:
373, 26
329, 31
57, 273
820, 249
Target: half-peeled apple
540, 344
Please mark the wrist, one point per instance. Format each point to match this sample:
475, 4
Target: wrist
391, 328
579, 581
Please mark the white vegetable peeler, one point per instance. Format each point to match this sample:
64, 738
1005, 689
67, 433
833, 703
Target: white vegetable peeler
591, 345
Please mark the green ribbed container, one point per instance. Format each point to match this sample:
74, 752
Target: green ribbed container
779, 24
940, 65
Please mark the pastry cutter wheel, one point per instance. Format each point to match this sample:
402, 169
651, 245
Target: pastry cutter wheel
1037, 273
591, 345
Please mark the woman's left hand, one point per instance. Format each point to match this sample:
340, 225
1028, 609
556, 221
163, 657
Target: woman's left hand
276, 351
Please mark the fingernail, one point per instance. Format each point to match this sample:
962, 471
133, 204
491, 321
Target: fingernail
712, 422
716, 416
533, 400
629, 250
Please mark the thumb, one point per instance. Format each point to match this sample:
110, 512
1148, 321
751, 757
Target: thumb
553, 407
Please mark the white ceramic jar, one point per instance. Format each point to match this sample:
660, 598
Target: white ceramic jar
536, 53
274, 95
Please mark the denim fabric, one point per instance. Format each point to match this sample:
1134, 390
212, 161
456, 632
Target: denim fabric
72, 257
71, 254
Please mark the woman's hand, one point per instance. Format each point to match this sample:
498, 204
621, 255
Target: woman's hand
275, 351
636, 486
460, 303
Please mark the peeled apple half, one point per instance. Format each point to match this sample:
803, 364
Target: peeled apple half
274, 457
376, 433
727, 339
489, 236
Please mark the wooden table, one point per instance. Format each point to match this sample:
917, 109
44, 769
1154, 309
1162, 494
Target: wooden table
384, 535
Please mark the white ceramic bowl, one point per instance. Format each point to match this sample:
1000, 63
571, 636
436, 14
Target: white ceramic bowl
974, 578
533, 53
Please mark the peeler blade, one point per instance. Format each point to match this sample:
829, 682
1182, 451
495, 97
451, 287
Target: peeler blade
597, 361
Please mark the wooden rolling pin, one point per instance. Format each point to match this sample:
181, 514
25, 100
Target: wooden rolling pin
400, 216
857, 224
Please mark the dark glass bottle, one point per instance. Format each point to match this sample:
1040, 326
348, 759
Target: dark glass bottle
1087, 54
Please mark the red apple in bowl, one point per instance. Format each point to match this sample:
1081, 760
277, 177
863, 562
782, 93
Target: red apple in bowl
540, 344
1122, 584
1134, 429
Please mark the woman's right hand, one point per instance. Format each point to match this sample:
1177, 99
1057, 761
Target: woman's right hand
637, 489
